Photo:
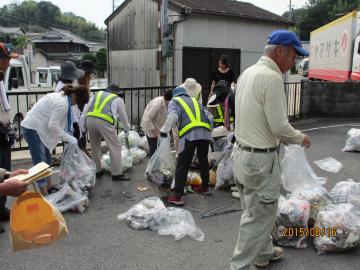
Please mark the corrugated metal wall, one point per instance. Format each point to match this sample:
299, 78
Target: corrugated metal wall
220, 32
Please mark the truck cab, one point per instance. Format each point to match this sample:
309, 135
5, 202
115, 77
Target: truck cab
304, 67
47, 76
17, 76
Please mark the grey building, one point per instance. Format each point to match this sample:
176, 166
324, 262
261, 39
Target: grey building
212, 28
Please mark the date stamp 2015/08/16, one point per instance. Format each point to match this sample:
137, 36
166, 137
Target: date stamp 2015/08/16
313, 232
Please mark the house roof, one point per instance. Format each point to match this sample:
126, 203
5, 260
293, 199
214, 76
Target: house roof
11, 30
59, 36
220, 8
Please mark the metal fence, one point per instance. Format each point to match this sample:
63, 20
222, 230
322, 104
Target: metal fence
135, 99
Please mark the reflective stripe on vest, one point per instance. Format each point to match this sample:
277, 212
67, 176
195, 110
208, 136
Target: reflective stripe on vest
195, 121
98, 108
220, 116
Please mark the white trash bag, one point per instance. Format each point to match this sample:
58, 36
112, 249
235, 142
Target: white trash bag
126, 160
352, 140
152, 214
337, 228
77, 169
134, 138
144, 145
137, 155
67, 199
291, 222
329, 164
161, 166
296, 173
224, 172
346, 192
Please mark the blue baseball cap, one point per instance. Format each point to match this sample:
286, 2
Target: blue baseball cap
287, 38
178, 91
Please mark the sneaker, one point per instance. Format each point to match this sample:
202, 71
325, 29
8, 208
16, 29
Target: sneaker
175, 199
5, 214
120, 177
278, 253
234, 188
201, 190
53, 189
235, 194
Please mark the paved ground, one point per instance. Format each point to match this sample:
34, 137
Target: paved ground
97, 240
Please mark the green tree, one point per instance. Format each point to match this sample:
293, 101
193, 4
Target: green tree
89, 56
101, 62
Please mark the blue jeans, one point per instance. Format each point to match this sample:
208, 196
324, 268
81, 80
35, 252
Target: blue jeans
38, 151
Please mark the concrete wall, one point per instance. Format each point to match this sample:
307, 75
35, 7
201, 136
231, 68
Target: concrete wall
329, 99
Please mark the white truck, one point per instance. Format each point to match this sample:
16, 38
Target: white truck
46, 77
335, 50
17, 79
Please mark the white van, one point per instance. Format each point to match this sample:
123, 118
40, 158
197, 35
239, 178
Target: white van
304, 67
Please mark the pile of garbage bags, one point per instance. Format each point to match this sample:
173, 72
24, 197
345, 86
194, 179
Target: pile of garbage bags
352, 140
144, 145
134, 138
291, 222
128, 158
161, 166
152, 214
338, 226
346, 192
77, 176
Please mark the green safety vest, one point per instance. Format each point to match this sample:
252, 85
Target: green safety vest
195, 120
220, 116
101, 107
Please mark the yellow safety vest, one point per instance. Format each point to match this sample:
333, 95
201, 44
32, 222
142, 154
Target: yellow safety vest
220, 116
97, 111
195, 121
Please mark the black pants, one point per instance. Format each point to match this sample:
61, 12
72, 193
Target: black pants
184, 161
5, 163
152, 144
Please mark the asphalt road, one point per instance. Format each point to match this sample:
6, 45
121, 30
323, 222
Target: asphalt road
97, 240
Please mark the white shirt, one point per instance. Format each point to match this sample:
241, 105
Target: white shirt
154, 116
4, 106
261, 108
48, 117
118, 111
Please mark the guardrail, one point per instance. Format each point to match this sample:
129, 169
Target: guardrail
135, 99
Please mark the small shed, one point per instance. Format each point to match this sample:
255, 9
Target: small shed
202, 31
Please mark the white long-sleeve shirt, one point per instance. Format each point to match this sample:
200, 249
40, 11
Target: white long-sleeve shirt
48, 117
261, 107
154, 116
118, 111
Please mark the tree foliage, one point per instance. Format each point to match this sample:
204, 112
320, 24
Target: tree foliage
39, 16
317, 13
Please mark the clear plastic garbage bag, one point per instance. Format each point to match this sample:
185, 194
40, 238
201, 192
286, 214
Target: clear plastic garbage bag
291, 222
134, 138
317, 197
77, 169
337, 228
126, 160
346, 192
67, 199
161, 166
177, 222
329, 164
141, 215
144, 145
224, 172
137, 155
296, 173
352, 140
151, 213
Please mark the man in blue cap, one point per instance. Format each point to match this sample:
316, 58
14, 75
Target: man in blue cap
194, 123
260, 124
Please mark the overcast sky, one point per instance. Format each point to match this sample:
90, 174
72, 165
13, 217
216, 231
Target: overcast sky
97, 11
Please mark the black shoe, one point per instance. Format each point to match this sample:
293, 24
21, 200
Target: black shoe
53, 189
99, 173
120, 177
5, 214
2, 229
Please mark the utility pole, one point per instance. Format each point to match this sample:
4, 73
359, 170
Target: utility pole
113, 5
290, 6
164, 24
